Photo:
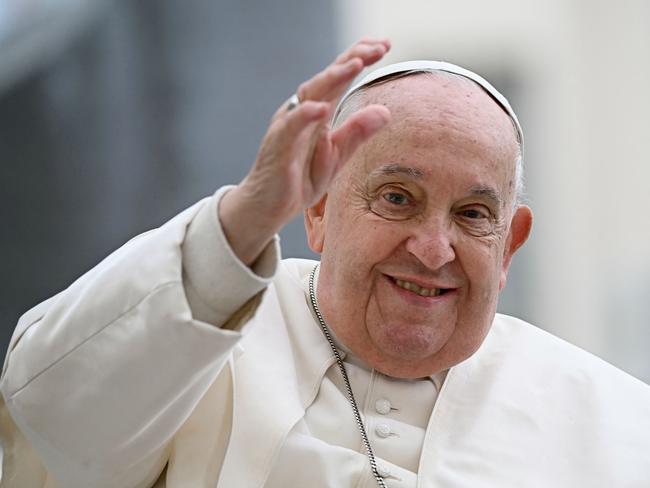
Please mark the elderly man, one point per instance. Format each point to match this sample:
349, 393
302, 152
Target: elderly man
194, 357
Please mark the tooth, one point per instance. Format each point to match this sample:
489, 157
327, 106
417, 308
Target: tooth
424, 292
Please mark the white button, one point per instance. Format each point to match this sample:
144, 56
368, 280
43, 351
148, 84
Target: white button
383, 470
382, 406
382, 430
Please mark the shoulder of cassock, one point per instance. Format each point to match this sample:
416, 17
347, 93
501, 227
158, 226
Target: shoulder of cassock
544, 408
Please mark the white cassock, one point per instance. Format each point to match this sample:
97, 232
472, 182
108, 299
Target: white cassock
126, 379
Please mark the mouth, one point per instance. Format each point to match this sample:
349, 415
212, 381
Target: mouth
419, 290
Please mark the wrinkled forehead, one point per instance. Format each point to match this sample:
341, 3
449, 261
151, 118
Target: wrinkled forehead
439, 120
400, 70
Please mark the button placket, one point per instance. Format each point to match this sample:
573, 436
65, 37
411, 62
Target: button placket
383, 406
383, 470
395, 426
383, 430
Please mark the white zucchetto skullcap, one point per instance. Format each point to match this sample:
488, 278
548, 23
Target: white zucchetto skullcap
424, 66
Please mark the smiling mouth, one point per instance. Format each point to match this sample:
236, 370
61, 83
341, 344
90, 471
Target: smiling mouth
419, 290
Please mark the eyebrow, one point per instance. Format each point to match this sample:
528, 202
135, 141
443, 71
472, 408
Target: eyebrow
392, 169
395, 169
487, 192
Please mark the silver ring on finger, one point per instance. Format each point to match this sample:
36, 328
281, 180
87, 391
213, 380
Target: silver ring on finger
293, 102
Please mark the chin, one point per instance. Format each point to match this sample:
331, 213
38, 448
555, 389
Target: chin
408, 359
410, 343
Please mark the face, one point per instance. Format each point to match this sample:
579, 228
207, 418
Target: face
417, 233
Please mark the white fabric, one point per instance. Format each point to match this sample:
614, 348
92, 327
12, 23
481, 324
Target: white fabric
116, 377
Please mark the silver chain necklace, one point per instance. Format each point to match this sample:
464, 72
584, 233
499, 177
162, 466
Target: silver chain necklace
339, 362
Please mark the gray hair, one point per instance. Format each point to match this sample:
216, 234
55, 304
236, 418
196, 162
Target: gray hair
356, 100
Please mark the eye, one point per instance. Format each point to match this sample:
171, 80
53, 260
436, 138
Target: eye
473, 213
392, 202
396, 198
477, 220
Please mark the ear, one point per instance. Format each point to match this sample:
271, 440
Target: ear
315, 225
522, 222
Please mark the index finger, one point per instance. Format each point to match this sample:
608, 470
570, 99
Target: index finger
330, 83
361, 46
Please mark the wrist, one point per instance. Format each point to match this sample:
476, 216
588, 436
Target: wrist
245, 224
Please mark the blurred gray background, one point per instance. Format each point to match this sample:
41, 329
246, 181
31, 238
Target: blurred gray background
115, 115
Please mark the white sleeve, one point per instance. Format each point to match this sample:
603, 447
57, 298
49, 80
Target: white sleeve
101, 376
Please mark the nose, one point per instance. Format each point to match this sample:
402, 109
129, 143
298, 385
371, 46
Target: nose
432, 244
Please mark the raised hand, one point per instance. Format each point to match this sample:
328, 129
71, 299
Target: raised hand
300, 154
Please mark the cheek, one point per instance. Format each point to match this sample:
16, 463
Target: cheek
354, 254
382, 240
364, 237
481, 265
481, 261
